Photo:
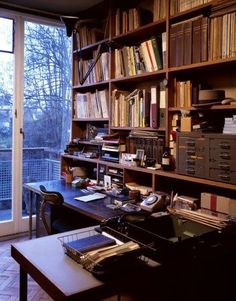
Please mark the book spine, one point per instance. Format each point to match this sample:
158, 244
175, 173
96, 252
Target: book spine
204, 38
187, 43
196, 41
154, 121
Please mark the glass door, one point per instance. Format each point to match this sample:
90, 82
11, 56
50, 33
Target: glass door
7, 60
35, 110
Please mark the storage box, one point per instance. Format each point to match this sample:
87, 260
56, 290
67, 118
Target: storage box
186, 124
218, 203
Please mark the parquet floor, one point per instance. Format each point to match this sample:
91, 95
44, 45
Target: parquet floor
9, 276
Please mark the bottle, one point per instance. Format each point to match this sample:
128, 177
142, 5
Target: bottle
166, 162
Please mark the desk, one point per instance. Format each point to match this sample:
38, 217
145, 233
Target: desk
62, 278
96, 210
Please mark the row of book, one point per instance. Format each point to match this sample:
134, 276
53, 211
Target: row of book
140, 108
86, 35
178, 6
132, 60
131, 19
99, 73
159, 9
186, 93
153, 146
189, 41
223, 36
91, 105
202, 38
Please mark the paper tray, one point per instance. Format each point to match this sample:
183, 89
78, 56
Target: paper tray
89, 264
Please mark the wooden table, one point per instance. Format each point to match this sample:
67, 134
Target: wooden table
96, 210
61, 277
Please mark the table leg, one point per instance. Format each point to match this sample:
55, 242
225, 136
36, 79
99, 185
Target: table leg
30, 214
23, 285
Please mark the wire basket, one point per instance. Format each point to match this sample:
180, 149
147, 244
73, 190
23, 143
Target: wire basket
108, 256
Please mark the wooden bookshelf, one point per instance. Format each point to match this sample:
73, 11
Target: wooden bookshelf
208, 72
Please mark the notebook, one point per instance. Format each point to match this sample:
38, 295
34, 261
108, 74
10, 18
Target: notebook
91, 197
89, 243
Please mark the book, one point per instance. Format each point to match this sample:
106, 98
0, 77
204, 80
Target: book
86, 244
154, 116
188, 43
157, 48
196, 41
162, 107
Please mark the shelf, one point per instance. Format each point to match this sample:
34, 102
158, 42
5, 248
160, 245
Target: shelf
89, 87
91, 47
141, 33
190, 13
90, 119
202, 65
136, 129
195, 180
214, 107
147, 76
77, 158
218, 74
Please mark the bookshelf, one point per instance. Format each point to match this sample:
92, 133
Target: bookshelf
152, 52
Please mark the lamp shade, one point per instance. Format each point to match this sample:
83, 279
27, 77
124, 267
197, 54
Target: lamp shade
70, 23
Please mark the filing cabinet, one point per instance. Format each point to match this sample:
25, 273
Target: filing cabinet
210, 156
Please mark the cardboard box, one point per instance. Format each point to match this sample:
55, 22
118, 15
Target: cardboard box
218, 203
186, 124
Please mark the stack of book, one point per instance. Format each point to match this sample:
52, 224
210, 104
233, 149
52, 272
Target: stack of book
133, 18
178, 6
99, 73
140, 108
186, 93
133, 60
88, 35
91, 105
189, 41
159, 9
222, 35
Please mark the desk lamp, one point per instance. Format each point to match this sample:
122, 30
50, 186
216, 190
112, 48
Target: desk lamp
72, 25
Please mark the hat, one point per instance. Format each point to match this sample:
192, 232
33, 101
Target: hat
209, 97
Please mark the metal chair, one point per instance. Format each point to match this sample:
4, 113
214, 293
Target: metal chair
60, 223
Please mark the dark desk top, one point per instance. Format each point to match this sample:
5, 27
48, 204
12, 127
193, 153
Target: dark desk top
95, 209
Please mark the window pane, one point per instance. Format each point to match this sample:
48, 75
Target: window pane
6, 35
47, 101
6, 102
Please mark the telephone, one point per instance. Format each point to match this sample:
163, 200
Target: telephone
155, 201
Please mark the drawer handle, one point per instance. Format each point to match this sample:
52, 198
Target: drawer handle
190, 171
225, 156
225, 145
225, 177
190, 143
224, 166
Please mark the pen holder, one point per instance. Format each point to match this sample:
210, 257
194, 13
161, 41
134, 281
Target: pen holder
135, 195
69, 178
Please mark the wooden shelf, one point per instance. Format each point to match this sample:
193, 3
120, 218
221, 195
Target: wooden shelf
217, 74
214, 107
195, 180
90, 119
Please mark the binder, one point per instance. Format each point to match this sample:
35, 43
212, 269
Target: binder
154, 119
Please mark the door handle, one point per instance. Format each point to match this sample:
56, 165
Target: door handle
22, 132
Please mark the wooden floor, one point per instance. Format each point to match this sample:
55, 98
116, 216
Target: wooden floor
9, 276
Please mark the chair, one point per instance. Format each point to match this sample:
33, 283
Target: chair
56, 224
